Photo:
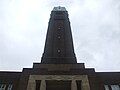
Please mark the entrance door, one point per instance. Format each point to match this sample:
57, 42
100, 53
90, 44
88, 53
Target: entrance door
58, 85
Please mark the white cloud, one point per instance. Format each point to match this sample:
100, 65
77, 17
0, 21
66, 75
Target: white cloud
95, 26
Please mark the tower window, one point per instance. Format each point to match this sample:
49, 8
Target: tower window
59, 28
58, 51
78, 84
59, 37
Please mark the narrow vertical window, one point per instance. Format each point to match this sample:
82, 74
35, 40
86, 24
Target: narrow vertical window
10, 87
59, 28
2, 86
38, 82
78, 84
115, 87
58, 51
106, 87
58, 85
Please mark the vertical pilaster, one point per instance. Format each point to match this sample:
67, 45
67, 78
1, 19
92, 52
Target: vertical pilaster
43, 85
31, 85
85, 84
73, 85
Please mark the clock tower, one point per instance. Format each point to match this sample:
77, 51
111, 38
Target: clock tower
59, 43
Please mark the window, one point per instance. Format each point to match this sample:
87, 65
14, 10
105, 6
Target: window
115, 87
58, 50
10, 87
112, 87
59, 13
58, 37
78, 84
2, 86
38, 82
106, 87
60, 28
6, 86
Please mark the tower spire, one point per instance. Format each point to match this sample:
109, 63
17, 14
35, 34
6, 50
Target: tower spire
59, 43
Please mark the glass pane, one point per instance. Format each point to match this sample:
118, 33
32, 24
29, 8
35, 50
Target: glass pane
10, 87
4, 87
115, 87
106, 87
38, 82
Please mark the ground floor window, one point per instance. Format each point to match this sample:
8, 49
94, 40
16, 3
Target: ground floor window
6, 86
78, 82
38, 82
112, 87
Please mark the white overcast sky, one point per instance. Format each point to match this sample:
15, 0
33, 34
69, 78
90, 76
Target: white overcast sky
95, 28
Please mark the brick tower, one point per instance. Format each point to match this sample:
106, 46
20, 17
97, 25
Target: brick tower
58, 69
59, 44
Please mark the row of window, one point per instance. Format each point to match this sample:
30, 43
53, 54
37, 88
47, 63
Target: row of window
112, 87
59, 28
6, 86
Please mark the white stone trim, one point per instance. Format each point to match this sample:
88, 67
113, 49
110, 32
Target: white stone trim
43, 85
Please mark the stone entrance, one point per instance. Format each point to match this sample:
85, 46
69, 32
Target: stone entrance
63, 82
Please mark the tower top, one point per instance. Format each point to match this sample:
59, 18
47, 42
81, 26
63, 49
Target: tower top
59, 8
